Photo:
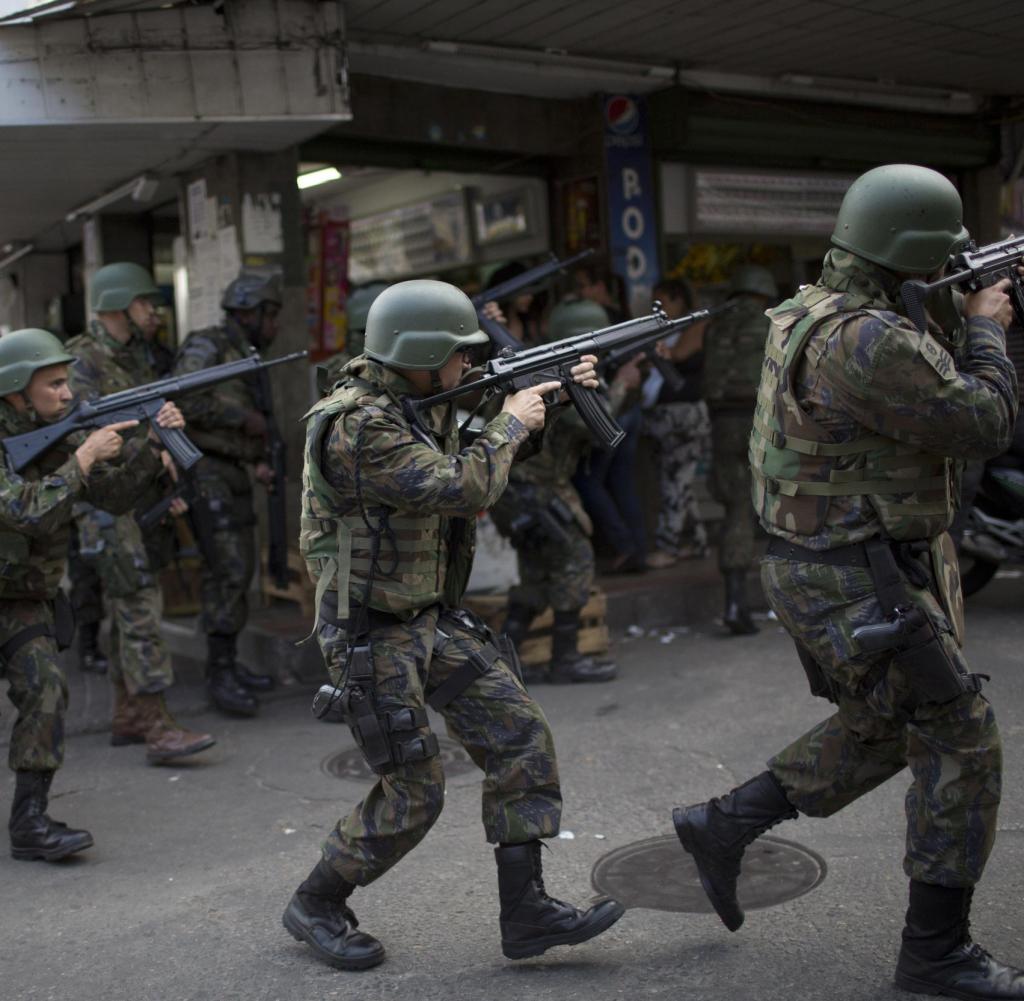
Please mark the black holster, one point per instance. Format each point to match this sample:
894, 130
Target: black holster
817, 679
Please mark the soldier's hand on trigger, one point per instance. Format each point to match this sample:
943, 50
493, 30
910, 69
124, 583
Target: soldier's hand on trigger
255, 424
103, 444
528, 404
992, 302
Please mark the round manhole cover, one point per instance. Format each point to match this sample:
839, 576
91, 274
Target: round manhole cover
657, 873
351, 764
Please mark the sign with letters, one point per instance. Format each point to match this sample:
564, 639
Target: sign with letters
633, 236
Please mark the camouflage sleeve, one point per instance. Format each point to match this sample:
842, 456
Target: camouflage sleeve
116, 486
208, 410
399, 470
901, 383
39, 507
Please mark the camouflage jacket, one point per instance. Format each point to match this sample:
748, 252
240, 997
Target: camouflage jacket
867, 373
216, 418
36, 506
423, 481
733, 351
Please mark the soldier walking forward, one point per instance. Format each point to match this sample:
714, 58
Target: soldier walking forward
36, 510
388, 534
861, 423
111, 356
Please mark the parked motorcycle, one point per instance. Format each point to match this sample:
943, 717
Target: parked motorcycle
994, 526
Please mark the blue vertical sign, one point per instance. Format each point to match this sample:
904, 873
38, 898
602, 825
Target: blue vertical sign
633, 230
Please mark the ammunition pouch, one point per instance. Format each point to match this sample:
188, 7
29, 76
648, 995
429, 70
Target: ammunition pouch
385, 733
478, 663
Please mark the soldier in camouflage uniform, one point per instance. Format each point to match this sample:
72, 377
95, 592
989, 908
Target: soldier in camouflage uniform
357, 308
110, 357
229, 426
733, 351
388, 513
35, 521
861, 420
86, 583
542, 515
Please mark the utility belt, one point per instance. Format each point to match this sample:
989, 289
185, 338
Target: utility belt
390, 734
62, 631
908, 632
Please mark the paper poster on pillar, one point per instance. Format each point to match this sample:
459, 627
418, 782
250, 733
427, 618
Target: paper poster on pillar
633, 236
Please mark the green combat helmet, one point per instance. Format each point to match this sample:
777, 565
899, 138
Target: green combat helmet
420, 324
358, 310
115, 286
753, 280
575, 316
23, 353
250, 290
907, 218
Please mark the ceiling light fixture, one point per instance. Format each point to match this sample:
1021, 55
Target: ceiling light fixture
315, 177
140, 189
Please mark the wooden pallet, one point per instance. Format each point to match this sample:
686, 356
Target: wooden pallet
299, 590
536, 648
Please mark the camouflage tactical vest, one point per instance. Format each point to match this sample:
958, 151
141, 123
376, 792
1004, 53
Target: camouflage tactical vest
414, 563
733, 352
31, 566
795, 463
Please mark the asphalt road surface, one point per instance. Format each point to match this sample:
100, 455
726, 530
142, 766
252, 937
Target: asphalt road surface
182, 896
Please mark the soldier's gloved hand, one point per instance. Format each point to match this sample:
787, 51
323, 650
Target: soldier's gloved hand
101, 445
264, 474
528, 404
992, 302
255, 424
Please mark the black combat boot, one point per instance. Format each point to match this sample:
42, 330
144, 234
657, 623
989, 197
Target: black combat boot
531, 921
90, 657
33, 834
318, 915
938, 956
716, 834
737, 613
516, 627
256, 682
567, 663
221, 684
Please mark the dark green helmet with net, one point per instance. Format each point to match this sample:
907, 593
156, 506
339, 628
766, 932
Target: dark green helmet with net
420, 324
575, 316
251, 290
23, 353
907, 218
115, 286
754, 280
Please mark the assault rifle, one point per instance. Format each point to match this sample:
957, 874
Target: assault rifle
513, 370
142, 403
501, 338
972, 270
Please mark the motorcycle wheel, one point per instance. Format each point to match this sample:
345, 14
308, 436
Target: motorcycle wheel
975, 573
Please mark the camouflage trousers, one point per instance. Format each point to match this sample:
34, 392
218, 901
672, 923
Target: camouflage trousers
953, 750
225, 502
500, 726
680, 432
114, 549
37, 688
558, 574
730, 486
